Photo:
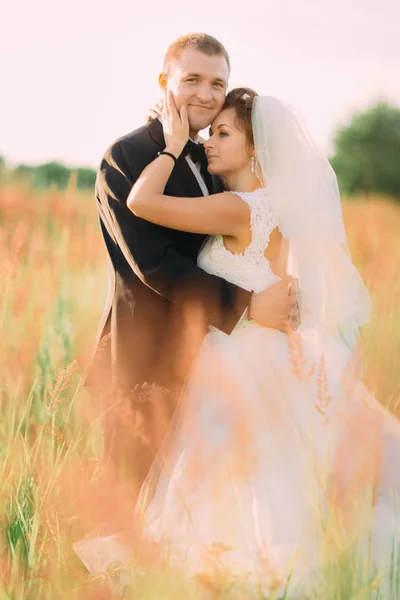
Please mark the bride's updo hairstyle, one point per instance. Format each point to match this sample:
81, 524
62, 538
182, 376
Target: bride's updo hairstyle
241, 100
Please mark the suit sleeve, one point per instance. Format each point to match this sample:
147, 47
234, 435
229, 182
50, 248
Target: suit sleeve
149, 249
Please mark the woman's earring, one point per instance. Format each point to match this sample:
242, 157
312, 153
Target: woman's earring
253, 164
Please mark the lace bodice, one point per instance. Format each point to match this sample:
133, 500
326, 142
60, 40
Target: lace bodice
250, 270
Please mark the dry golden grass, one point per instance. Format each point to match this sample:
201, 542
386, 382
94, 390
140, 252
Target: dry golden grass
52, 289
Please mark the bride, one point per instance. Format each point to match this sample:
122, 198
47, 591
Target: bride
275, 433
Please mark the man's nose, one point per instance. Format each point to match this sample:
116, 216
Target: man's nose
204, 93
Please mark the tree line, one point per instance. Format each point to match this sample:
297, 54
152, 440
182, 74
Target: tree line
49, 174
366, 158
367, 152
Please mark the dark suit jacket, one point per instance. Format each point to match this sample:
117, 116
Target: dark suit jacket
152, 272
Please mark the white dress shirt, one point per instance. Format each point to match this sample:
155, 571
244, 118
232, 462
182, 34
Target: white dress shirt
195, 167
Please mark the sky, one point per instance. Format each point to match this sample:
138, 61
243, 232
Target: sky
77, 74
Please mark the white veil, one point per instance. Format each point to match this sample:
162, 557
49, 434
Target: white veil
303, 189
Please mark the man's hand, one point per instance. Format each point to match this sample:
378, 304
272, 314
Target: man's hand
295, 317
276, 306
155, 111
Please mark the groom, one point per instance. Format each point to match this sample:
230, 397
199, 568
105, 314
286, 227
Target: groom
153, 277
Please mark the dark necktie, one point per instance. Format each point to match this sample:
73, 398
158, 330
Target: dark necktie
198, 155
196, 151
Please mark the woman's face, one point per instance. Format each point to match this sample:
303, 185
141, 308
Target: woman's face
227, 149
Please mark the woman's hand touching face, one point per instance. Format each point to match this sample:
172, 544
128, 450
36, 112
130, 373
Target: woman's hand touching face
175, 125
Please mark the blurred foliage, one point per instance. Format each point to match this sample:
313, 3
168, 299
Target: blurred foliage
367, 152
47, 175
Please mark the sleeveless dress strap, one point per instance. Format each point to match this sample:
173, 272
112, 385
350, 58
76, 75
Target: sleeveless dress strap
262, 221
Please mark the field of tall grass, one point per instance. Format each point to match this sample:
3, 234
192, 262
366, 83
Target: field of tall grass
53, 486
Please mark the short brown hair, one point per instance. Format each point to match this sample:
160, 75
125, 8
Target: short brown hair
241, 100
199, 41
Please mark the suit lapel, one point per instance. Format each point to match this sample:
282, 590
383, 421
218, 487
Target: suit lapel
156, 132
187, 178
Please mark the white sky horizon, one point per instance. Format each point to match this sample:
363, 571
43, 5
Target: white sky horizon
79, 74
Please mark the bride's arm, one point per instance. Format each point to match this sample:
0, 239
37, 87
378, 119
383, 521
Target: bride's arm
224, 213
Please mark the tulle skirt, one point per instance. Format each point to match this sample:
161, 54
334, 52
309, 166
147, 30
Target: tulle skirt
275, 440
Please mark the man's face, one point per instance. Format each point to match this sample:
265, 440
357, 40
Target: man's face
199, 82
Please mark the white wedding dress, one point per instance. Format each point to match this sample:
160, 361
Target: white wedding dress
268, 428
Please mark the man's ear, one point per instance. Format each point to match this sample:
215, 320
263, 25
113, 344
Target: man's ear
163, 80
